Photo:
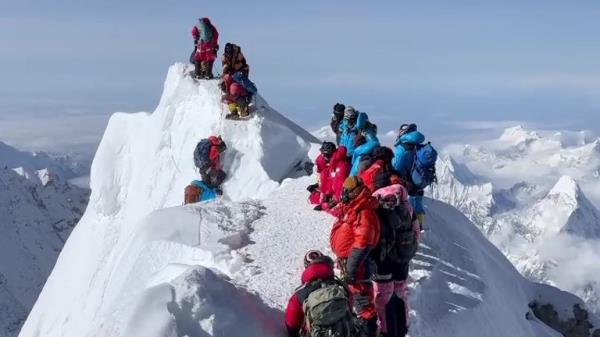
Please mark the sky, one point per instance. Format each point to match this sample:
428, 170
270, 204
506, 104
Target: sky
459, 69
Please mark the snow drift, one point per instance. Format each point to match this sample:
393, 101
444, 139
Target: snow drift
136, 265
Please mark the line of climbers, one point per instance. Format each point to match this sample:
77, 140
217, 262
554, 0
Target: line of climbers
376, 195
238, 90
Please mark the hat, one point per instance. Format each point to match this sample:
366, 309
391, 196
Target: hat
383, 153
339, 107
351, 183
350, 113
327, 148
406, 128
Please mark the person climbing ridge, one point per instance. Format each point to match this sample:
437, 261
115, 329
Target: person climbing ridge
333, 168
206, 40
199, 190
365, 143
336, 120
207, 156
348, 131
322, 305
354, 234
233, 60
414, 162
399, 240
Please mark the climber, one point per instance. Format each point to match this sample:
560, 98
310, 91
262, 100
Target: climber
333, 168
336, 119
380, 173
354, 234
237, 97
348, 131
207, 156
233, 60
398, 243
206, 40
320, 293
199, 190
320, 191
365, 143
414, 162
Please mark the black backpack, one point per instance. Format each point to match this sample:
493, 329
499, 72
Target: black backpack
397, 242
202, 154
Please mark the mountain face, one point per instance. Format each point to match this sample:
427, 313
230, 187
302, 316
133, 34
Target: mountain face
545, 229
65, 166
38, 211
140, 264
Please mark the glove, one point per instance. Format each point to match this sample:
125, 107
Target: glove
218, 191
312, 188
318, 208
195, 42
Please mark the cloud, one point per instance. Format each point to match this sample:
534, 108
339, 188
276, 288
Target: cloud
578, 82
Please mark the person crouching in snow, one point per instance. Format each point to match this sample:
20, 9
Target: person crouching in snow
236, 97
207, 156
206, 40
354, 234
322, 305
398, 243
199, 190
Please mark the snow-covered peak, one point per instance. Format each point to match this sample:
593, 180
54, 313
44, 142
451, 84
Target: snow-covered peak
518, 134
64, 166
151, 155
566, 187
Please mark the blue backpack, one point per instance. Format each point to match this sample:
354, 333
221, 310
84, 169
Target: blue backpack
423, 170
245, 82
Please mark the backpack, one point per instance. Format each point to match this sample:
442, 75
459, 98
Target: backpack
202, 154
191, 194
397, 242
327, 312
423, 169
245, 82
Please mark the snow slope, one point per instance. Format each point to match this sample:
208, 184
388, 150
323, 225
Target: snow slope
136, 265
143, 164
36, 217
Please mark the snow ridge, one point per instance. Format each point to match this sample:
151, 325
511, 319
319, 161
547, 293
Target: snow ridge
140, 264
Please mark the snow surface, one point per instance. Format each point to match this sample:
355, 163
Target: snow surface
136, 265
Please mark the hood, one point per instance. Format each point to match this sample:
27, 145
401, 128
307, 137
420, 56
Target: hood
414, 137
316, 271
339, 154
364, 201
395, 189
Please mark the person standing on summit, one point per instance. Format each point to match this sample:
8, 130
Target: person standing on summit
206, 40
